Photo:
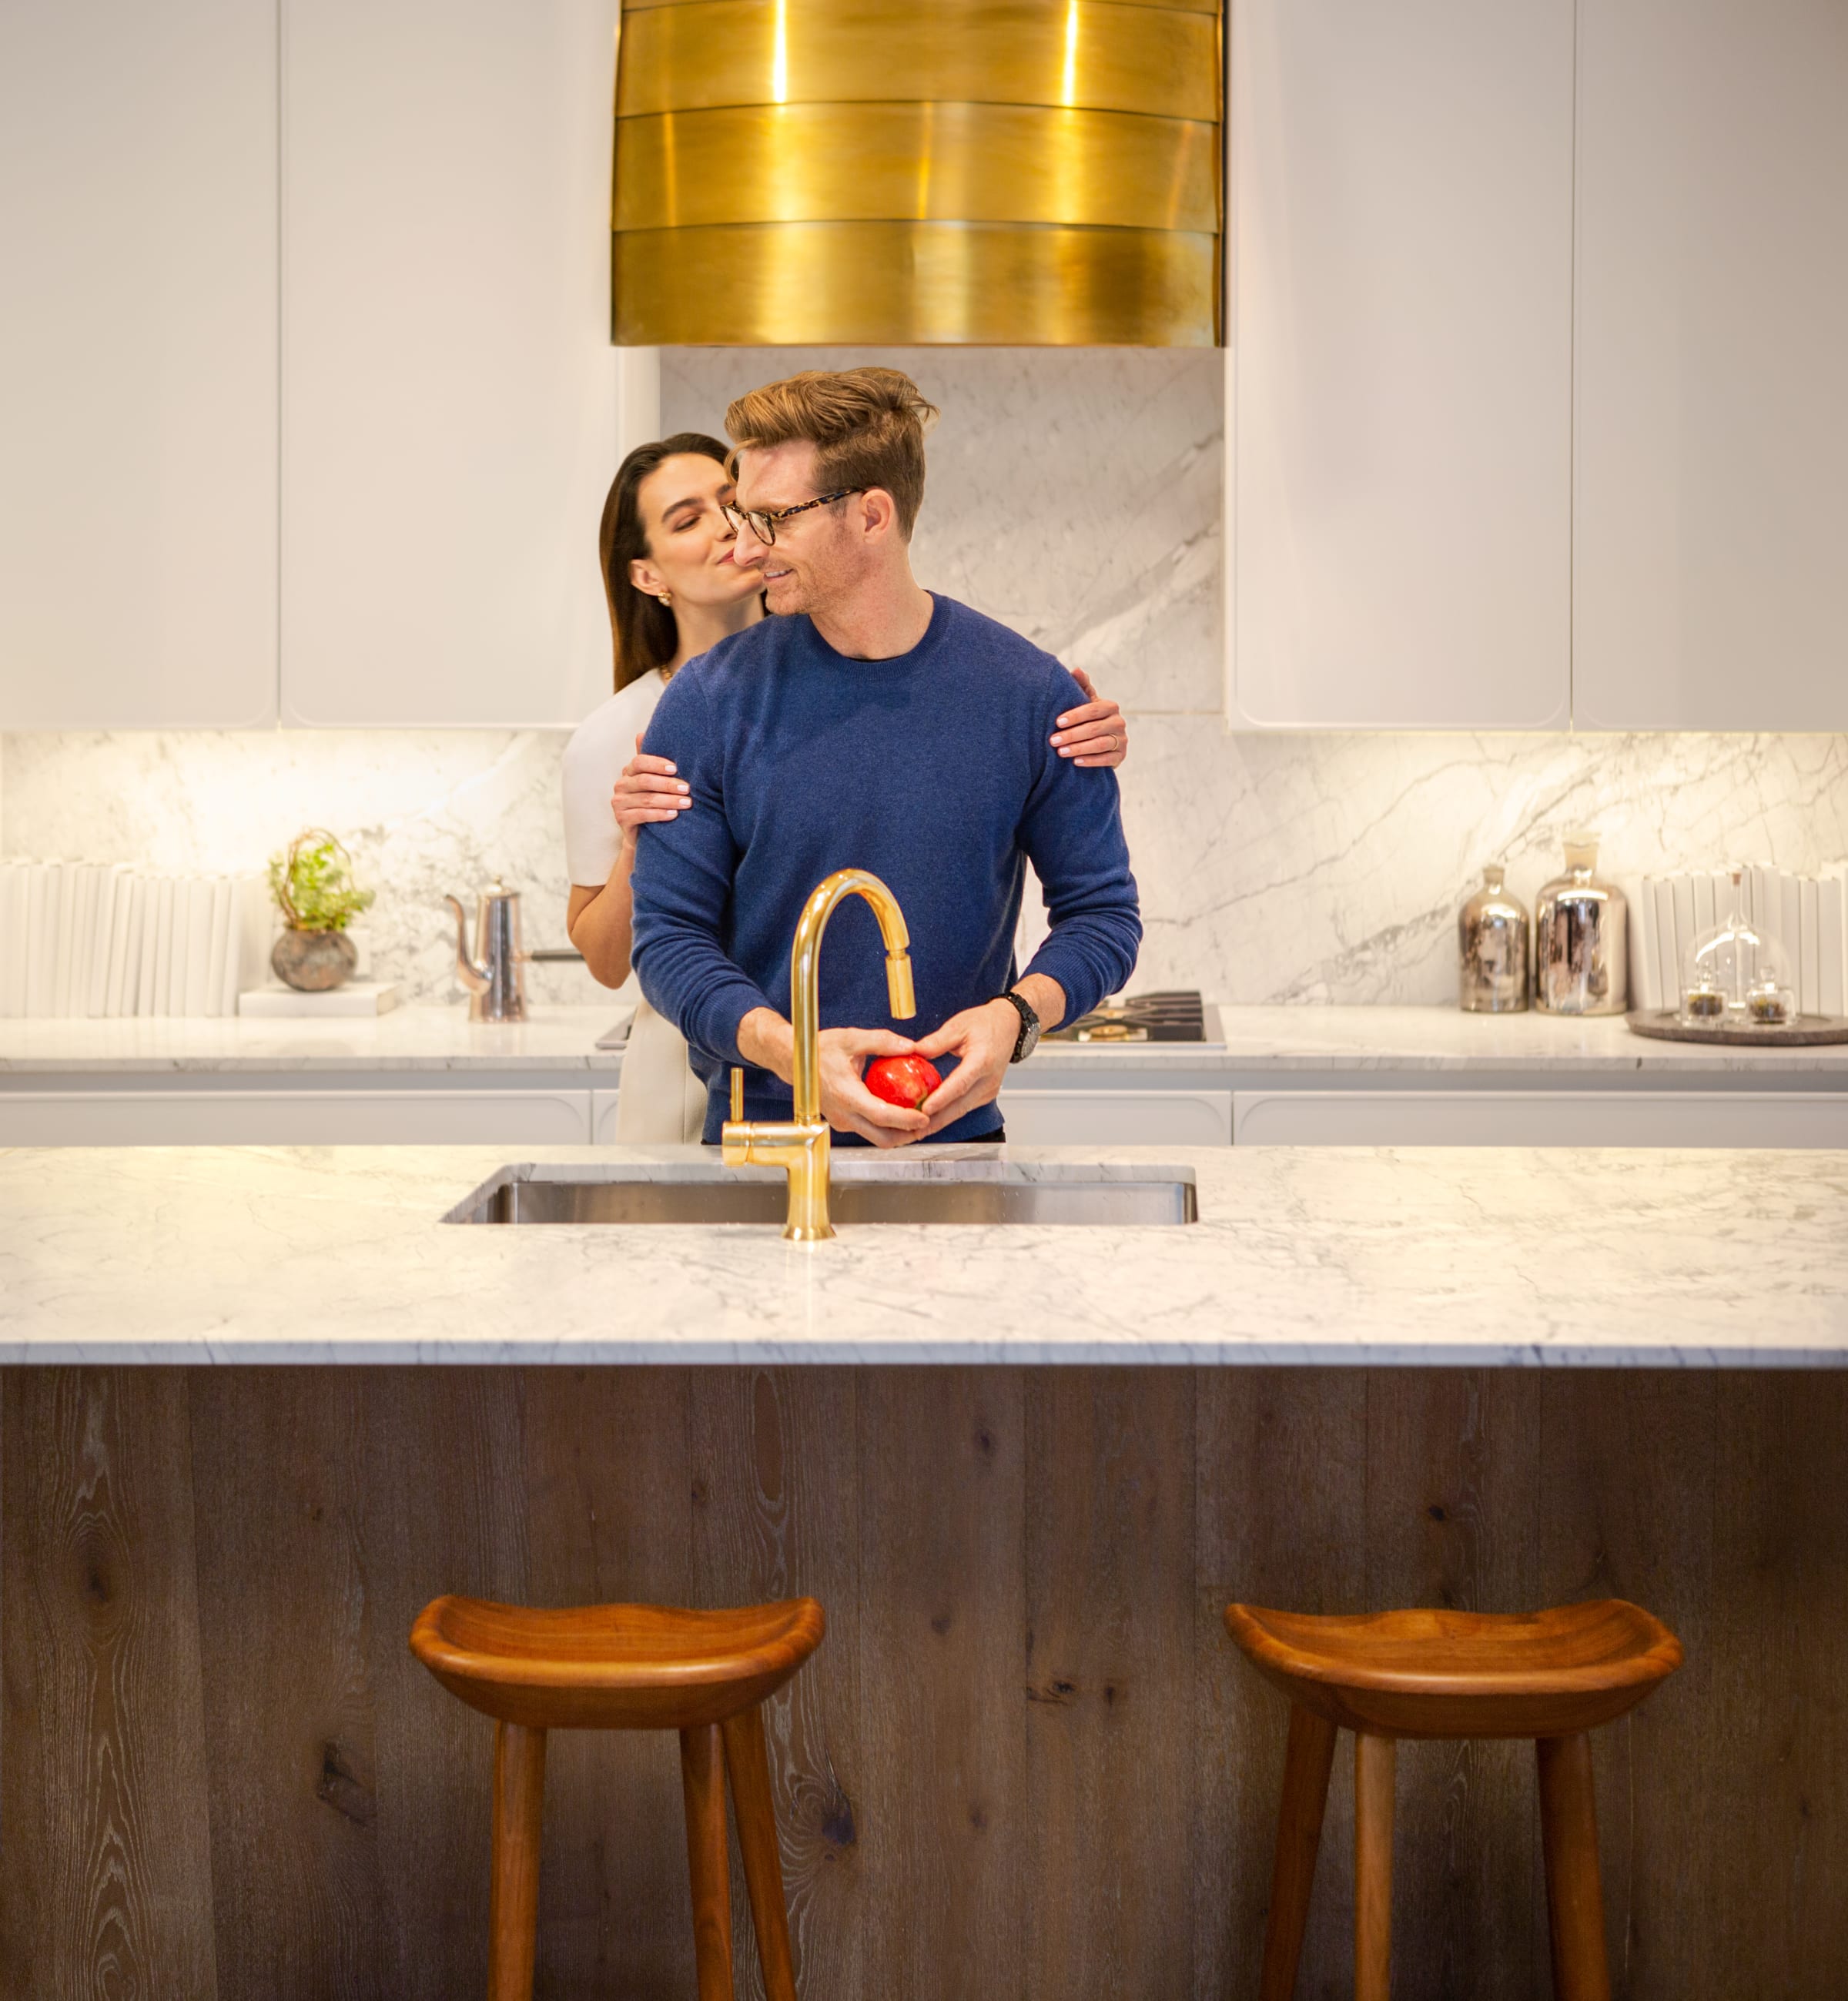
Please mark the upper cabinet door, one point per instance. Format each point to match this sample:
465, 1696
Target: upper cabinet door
1711, 556
1402, 248
449, 412
138, 363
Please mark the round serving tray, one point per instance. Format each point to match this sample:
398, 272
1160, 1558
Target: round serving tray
1807, 1032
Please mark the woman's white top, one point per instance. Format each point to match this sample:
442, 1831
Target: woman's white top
660, 1099
600, 747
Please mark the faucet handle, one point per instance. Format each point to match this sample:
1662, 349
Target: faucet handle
737, 1095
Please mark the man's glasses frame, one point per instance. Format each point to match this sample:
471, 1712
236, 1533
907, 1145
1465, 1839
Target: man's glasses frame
763, 523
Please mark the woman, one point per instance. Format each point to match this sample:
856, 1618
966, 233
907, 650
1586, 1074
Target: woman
673, 591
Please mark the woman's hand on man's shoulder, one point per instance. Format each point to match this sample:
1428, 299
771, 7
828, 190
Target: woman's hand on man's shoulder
1095, 733
649, 790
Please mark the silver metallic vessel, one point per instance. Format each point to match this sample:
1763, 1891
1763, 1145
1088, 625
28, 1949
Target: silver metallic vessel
1491, 944
1580, 938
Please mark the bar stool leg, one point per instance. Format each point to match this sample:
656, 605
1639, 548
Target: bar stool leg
748, 1763
1376, 1761
702, 1780
1306, 1765
1574, 1897
513, 1895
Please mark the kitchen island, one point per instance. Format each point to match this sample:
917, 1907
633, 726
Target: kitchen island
1023, 1468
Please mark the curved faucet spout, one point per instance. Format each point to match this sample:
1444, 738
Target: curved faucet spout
805, 965
473, 977
801, 1145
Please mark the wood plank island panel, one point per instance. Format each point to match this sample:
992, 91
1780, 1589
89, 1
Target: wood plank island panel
1026, 1761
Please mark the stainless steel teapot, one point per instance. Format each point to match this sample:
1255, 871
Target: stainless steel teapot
495, 976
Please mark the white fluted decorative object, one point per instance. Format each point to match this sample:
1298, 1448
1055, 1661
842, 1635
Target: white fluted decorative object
1808, 915
104, 940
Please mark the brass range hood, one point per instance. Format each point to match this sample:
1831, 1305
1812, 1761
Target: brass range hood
898, 173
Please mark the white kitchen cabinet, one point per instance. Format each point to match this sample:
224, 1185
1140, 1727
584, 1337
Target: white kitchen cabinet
1401, 205
138, 364
1711, 517
295, 1117
1539, 1119
450, 394
1118, 1118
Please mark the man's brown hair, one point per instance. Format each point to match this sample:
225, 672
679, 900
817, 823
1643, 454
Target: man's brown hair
867, 425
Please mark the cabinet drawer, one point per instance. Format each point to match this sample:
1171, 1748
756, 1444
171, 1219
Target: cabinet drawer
1538, 1118
1118, 1118
294, 1118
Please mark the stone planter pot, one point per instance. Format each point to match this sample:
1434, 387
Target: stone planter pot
313, 961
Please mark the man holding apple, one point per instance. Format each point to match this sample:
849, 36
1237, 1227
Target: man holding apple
807, 744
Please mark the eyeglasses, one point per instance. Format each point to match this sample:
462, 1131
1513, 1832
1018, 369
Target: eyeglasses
763, 523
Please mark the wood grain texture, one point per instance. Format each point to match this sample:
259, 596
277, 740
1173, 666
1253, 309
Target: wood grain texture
1629, 1463
1453, 1519
1574, 1889
608, 1518
132, 1808
513, 1886
747, 1763
942, 1622
441, 1509
284, 1647
106, 1880
1376, 1772
1777, 1737
708, 1867
776, 1513
1281, 1471
1308, 1760
1110, 1659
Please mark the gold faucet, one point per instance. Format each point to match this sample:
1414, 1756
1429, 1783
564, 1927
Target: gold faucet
800, 1144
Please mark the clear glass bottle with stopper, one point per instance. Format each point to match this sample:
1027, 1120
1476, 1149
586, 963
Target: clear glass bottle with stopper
1581, 948
1491, 944
1735, 975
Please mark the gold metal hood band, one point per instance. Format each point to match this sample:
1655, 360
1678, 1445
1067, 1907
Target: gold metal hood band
897, 285
917, 163
1094, 55
874, 172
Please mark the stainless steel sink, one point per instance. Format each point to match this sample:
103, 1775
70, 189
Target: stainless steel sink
985, 1196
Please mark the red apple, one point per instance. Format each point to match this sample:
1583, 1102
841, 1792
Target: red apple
906, 1080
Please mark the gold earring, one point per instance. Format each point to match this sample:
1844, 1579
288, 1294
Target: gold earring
667, 596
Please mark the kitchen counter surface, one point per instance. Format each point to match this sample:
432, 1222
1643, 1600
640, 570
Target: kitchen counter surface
407, 1039
1260, 1041
1467, 1258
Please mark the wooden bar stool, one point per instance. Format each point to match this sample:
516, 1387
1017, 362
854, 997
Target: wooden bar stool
1550, 1675
630, 1667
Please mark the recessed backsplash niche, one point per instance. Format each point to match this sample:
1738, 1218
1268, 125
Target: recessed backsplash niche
1074, 494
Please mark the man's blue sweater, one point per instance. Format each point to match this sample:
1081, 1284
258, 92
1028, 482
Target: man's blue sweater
933, 771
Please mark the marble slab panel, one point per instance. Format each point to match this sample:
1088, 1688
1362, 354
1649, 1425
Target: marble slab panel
1464, 1258
1074, 494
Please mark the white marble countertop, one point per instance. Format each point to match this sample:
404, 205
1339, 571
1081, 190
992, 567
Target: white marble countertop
408, 1038
1259, 1042
1463, 1257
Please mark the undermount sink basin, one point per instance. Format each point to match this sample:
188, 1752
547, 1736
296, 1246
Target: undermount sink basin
981, 1193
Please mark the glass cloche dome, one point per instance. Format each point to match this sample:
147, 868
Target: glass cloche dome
1736, 975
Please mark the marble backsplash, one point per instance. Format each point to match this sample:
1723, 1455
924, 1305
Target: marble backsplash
1273, 867
1074, 495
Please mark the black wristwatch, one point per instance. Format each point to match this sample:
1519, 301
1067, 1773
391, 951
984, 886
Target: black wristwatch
1030, 1029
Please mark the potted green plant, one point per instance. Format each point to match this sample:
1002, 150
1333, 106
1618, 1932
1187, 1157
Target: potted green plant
313, 889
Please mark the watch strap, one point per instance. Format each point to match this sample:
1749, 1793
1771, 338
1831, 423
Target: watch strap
1029, 1022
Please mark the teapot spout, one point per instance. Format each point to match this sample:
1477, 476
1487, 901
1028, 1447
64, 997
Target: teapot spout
472, 976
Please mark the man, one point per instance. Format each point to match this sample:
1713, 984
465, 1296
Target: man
815, 741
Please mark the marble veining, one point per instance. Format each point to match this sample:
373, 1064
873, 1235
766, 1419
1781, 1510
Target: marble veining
1458, 1257
1075, 495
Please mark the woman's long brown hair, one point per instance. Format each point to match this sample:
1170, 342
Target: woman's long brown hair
642, 632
